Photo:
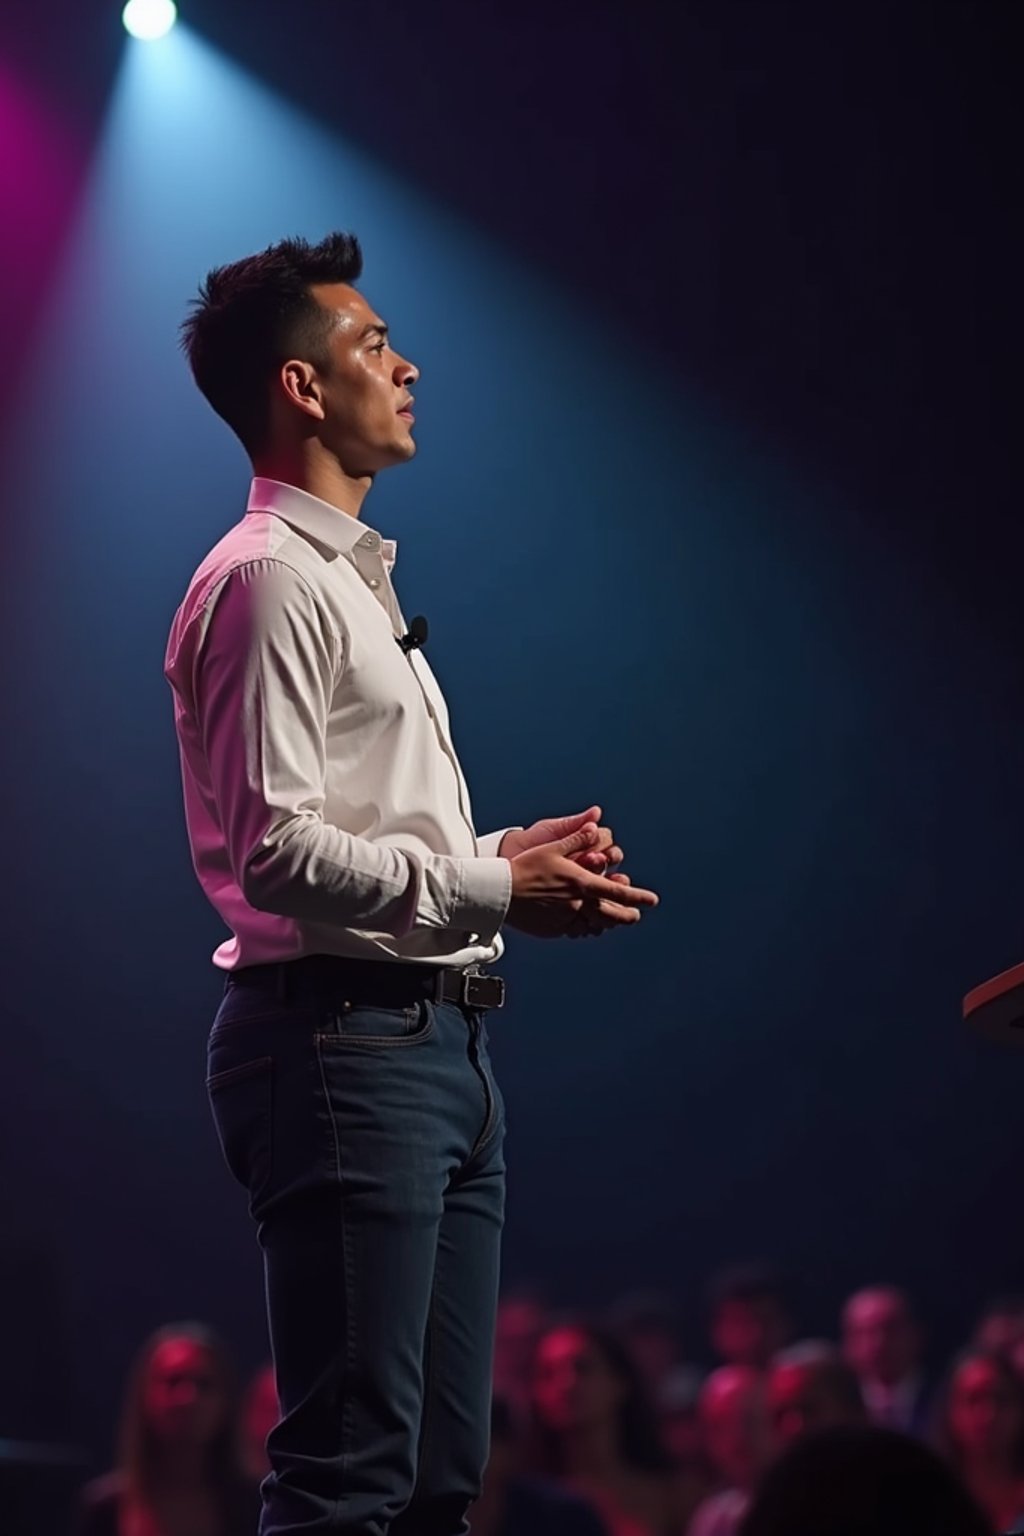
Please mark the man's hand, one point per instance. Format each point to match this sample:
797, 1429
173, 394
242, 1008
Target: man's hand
555, 896
603, 855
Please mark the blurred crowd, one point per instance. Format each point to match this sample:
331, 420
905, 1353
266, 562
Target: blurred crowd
602, 1427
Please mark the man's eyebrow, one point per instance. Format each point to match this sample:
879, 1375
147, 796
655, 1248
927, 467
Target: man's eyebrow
374, 328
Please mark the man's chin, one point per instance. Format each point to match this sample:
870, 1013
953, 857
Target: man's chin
399, 452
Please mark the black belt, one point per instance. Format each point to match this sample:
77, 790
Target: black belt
376, 983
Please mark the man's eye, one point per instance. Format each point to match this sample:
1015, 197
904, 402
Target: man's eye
378, 348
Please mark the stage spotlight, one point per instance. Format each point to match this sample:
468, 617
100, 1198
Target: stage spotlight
149, 19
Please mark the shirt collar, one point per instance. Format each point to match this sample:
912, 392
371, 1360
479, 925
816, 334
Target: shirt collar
308, 514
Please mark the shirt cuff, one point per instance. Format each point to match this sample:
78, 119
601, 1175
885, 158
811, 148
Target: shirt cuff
488, 845
485, 892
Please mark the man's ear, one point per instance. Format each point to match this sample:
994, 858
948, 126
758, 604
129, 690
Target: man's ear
302, 387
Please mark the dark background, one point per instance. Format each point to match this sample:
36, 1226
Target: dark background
716, 520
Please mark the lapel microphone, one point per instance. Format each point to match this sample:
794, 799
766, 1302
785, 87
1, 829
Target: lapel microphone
417, 636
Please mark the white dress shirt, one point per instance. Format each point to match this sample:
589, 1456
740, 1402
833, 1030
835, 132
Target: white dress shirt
326, 809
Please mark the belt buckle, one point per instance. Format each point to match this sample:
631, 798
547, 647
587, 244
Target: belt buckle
482, 991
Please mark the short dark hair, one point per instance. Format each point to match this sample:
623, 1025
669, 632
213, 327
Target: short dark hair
252, 315
1009, 1304
748, 1283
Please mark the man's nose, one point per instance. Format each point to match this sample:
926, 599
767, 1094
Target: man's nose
406, 373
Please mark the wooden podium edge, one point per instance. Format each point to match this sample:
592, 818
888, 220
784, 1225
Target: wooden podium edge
996, 1007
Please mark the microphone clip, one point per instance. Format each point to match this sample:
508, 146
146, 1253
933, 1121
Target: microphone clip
416, 637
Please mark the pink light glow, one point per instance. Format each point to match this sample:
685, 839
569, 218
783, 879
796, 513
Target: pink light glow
42, 169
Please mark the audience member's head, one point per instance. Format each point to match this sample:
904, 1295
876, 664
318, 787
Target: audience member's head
677, 1407
750, 1315
179, 1409
881, 1336
862, 1481
1000, 1328
260, 1412
811, 1387
980, 1416
586, 1385
522, 1318
648, 1325
735, 1425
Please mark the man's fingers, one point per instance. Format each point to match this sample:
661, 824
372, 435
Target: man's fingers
561, 826
595, 888
584, 838
595, 919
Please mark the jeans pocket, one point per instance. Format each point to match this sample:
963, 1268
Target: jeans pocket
362, 1026
241, 1100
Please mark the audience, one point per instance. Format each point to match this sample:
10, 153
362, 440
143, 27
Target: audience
679, 1423
1001, 1329
750, 1316
511, 1505
882, 1342
980, 1428
608, 1431
735, 1425
178, 1472
260, 1412
597, 1434
647, 1324
862, 1482
522, 1318
811, 1387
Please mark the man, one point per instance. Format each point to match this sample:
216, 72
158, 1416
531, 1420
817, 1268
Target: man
521, 1319
735, 1424
648, 1325
331, 828
750, 1315
1000, 1328
811, 1387
882, 1343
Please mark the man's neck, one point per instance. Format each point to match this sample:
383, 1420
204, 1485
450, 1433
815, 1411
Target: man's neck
317, 473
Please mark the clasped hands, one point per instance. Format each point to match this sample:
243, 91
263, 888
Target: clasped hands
565, 879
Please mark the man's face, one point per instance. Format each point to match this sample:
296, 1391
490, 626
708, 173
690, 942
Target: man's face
880, 1338
984, 1416
655, 1350
520, 1323
801, 1400
732, 1415
749, 1330
366, 391
1001, 1332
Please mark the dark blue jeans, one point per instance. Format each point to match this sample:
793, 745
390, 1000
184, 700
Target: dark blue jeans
370, 1143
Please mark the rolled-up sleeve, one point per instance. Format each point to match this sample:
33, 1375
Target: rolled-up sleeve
264, 671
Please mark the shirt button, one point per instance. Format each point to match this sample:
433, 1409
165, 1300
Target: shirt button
374, 582
369, 541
